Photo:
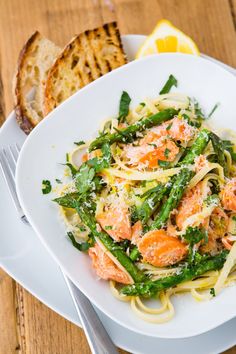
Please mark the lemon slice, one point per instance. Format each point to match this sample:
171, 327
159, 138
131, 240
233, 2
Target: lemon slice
166, 39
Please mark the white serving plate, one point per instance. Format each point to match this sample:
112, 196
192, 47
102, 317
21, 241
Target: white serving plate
72, 121
23, 256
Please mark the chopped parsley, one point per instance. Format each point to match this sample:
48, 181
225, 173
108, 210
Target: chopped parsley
234, 218
212, 292
46, 186
81, 228
194, 235
166, 152
152, 144
162, 163
78, 143
58, 181
143, 104
67, 157
84, 179
124, 106
108, 227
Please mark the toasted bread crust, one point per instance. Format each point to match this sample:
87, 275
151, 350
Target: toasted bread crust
22, 118
88, 55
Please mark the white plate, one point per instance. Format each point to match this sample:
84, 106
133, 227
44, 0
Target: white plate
46, 146
23, 256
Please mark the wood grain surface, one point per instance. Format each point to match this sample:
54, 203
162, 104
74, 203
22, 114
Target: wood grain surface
27, 326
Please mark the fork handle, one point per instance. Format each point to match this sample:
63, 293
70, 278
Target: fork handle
98, 339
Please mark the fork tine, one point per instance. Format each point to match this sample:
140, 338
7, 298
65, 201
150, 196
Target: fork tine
9, 179
9, 161
14, 153
17, 148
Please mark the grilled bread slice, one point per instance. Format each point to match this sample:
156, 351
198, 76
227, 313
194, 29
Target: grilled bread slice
88, 56
35, 59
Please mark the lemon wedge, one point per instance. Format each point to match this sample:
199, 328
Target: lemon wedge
166, 38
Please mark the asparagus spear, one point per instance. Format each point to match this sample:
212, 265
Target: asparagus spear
151, 203
172, 202
218, 146
88, 219
197, 148
181, 180
150, 288
125, 134
68, 200
116, 250
155, 196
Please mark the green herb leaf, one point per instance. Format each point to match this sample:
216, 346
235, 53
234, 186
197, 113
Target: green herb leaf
81, 228
84, 179
78, 143
100, 164
83, 247
168, 85
166, 152
46, 186
108, 227
58, 181
213, 110
162, 163
194, 235
194, 123
212, 292
198, 110
67, 157
124, 106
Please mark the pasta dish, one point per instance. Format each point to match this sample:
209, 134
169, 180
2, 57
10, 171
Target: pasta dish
152, 201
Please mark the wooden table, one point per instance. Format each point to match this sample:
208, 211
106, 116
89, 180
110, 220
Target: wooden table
27, 326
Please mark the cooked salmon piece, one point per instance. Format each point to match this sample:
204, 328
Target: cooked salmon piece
181, 130
115, 220
190, 204
158, 144
176, 128
200, 162
160, 249
105, 267
228, 195
148, 155
136, 232
165, 151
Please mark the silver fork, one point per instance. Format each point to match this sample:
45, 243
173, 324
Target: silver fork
98, 339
